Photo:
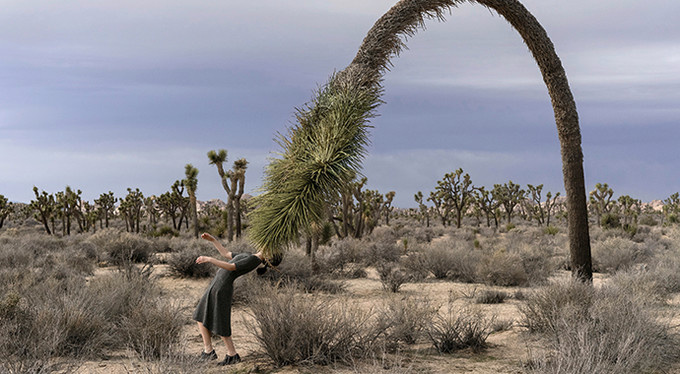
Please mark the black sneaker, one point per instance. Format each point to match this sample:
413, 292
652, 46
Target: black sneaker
208, 356
230, 360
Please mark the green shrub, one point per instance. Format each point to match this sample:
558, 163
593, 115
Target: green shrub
551, 230
610, 221
647, 220
164, 231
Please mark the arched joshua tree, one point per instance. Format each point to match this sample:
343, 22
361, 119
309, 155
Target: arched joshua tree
313, 177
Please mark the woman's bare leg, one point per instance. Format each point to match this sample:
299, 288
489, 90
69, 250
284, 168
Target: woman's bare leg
230, 345
207, 338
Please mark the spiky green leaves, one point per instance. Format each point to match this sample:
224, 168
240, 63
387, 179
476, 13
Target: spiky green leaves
320, 154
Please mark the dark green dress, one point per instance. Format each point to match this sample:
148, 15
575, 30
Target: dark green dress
214, 309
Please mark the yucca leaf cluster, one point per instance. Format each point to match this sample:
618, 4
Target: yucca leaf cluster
320, 153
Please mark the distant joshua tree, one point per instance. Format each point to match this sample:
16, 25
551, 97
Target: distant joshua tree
5, 209
233, 182
44, 207
601, 200
456, 189
131, 209
328, 143
191, 183
424, 211
106, 204
487, 203
509, 195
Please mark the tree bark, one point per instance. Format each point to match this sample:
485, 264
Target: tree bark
568, 130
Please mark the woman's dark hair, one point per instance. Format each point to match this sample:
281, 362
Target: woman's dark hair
274, 261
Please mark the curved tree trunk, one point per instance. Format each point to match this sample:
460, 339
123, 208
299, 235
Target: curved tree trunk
383, 41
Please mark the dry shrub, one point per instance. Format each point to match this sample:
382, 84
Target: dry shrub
295, 329
655, 282
374, 253
502, 269
545, 306
123, 248
616, 332
383, 234
420, 234
53, 318
614, 254
247, 286
297, 269
460, 328
392, 276
336, 258
607, 330
451, 259
415, 263
405, 319
183, 263
491, 297
152, 329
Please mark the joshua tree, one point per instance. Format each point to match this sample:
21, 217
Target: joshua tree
69, 205
107, 205
424, 211
487, 203
181, 202
5, 209
550, 203
313, 162
509, 195
233, 182
441, 205
456, 192
169, 206
191, 183
387, 207
152, 210
630, 209
90, 216
45, 207
601, 200
131, 209
671, 208
238, 177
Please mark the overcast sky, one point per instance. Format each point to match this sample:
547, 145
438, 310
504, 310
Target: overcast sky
106, 95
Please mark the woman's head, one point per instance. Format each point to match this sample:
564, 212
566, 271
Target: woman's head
271, 261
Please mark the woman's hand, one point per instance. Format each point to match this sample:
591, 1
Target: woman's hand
203, 259
208, 237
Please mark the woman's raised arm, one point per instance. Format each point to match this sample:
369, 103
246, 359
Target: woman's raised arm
223, 251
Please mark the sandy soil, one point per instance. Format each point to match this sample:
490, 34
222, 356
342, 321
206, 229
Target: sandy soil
507, 351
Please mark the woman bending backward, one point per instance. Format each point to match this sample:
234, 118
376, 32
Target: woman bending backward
213, 312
